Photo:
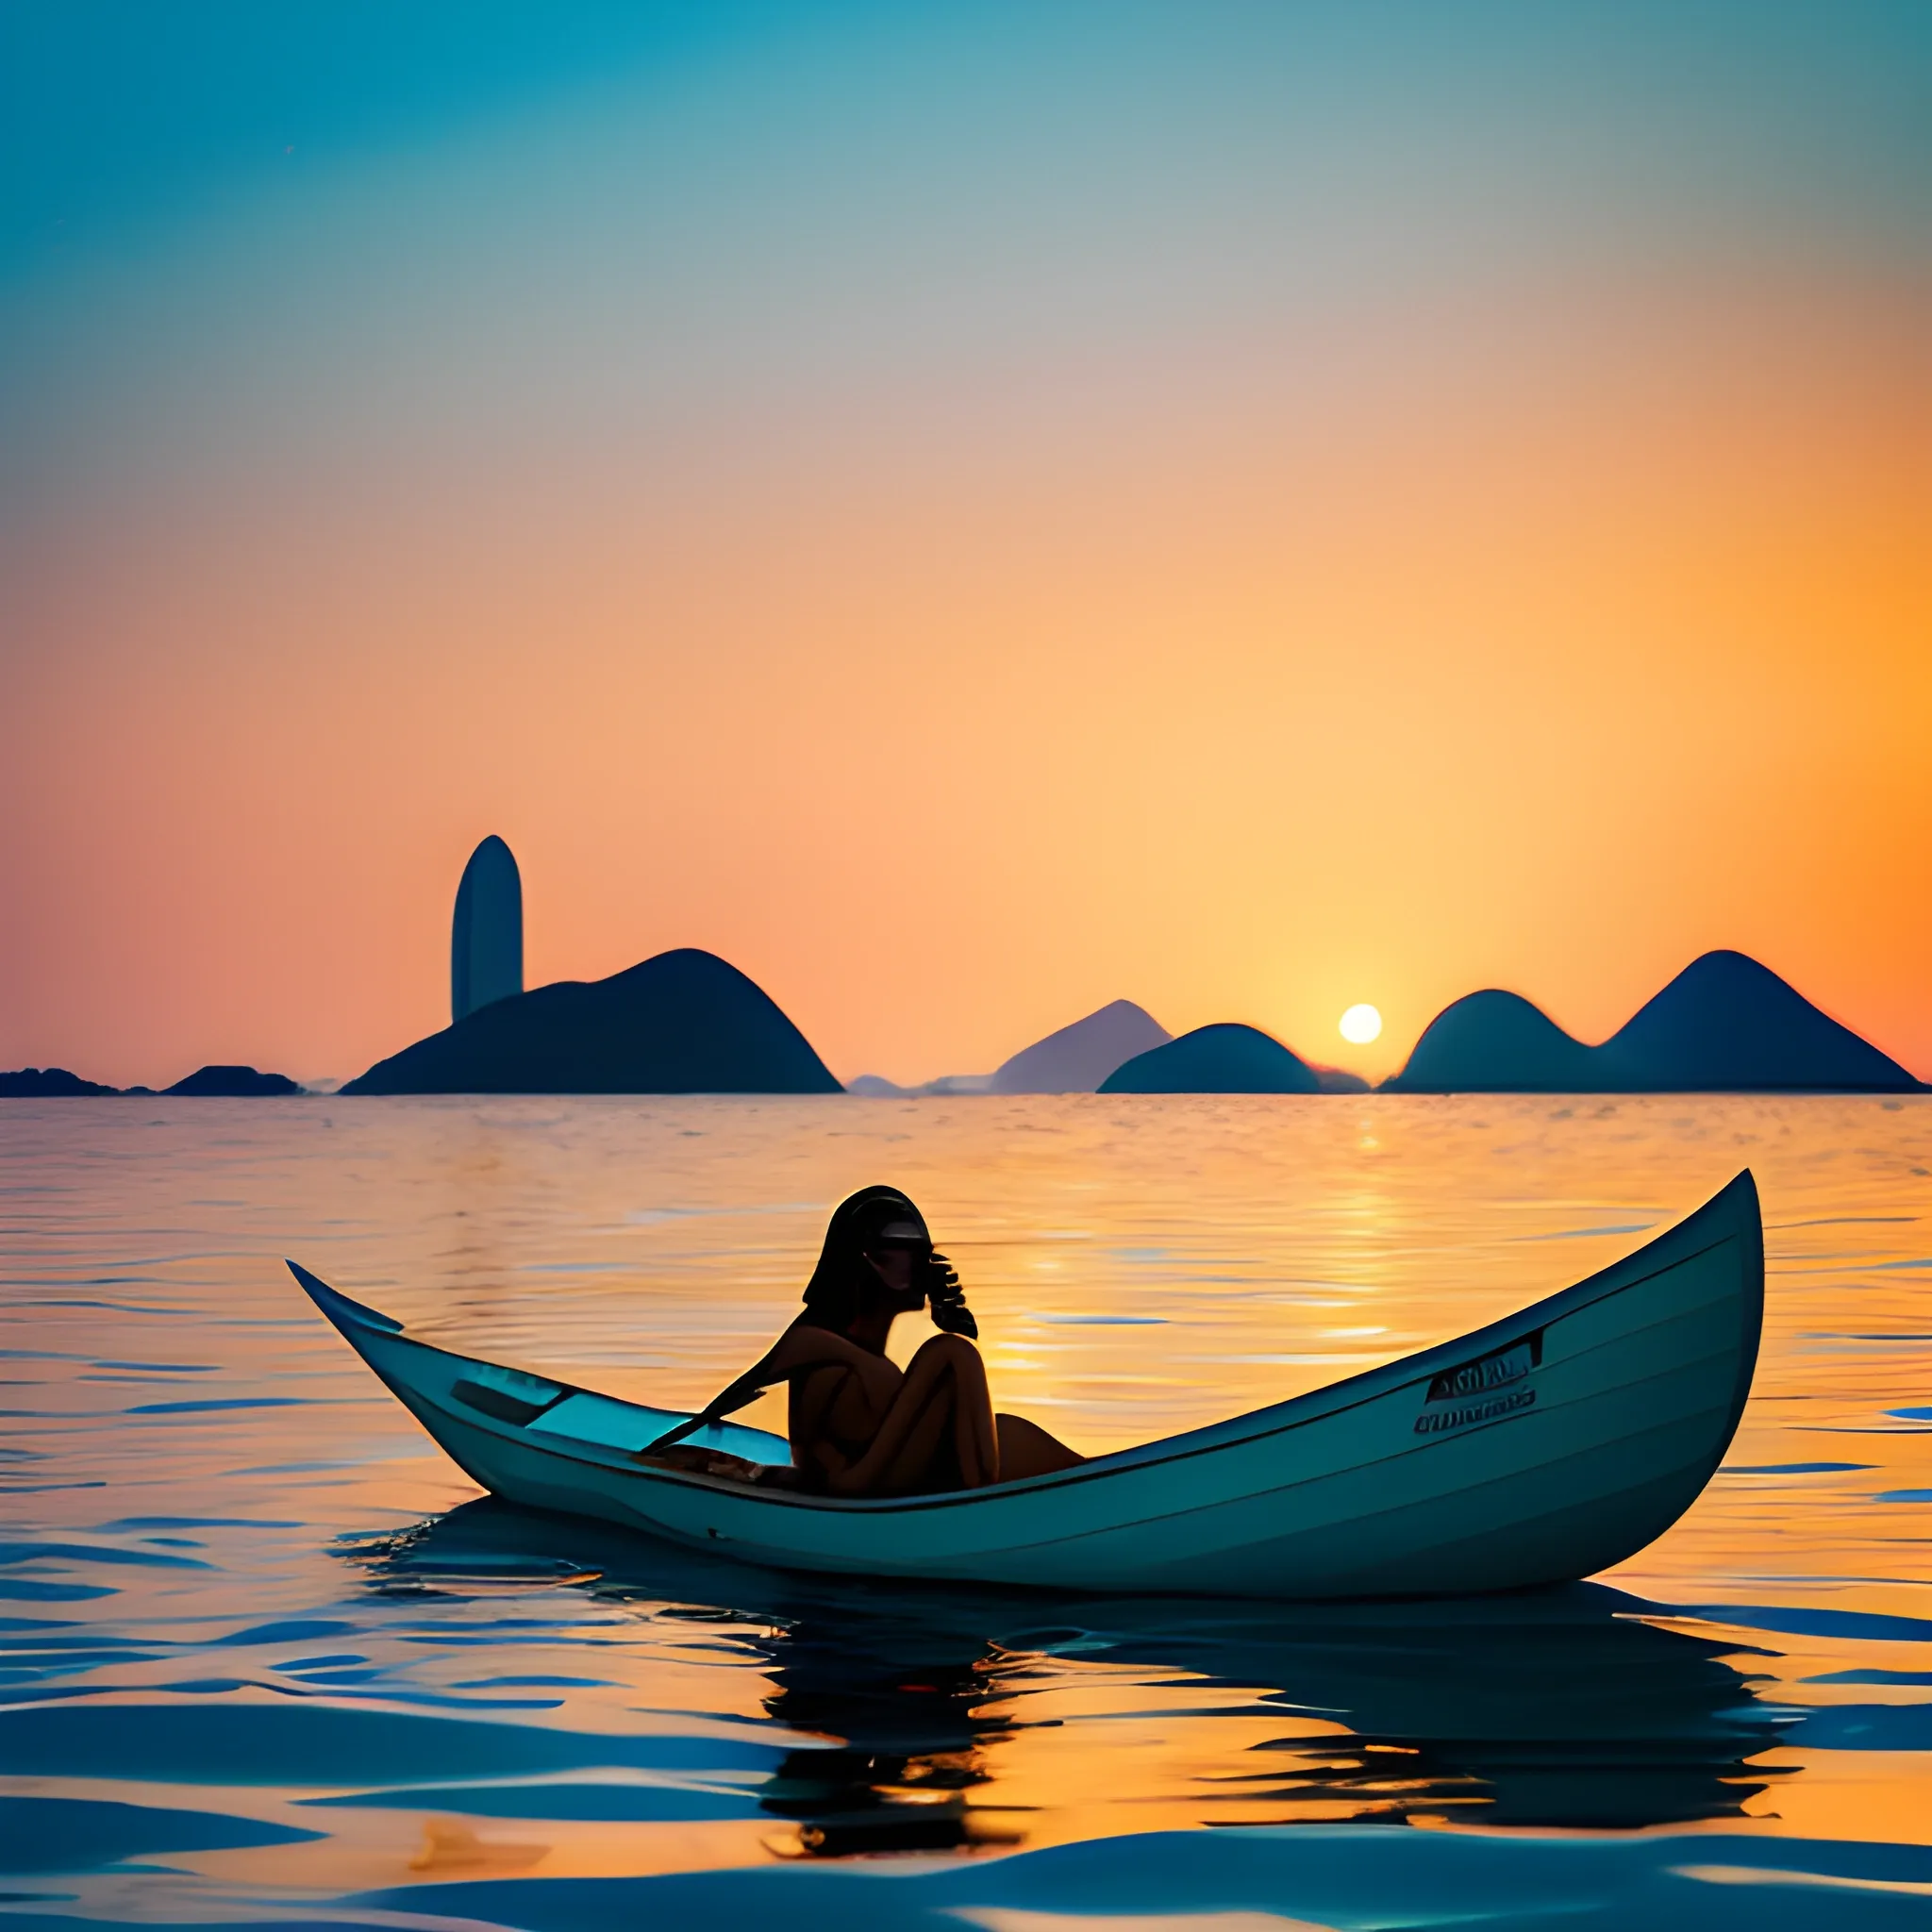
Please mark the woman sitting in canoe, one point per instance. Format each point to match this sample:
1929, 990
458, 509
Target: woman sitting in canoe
859, 1425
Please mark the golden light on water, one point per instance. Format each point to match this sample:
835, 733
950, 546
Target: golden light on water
1137, 1272
1361, 1025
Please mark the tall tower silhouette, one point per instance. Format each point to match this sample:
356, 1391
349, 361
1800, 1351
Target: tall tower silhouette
486, 941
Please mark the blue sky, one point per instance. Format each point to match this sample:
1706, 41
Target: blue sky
115, 116
1458, 465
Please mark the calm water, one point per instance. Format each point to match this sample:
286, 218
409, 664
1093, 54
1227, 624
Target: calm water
267, 1658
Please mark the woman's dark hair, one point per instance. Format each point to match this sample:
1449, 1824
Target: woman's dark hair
858, 1225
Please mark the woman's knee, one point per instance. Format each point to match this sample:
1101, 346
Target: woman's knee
950, 1351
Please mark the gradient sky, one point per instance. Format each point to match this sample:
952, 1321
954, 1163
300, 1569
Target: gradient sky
968, 512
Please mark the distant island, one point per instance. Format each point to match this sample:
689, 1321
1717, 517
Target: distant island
1726, 1024
1073, 1059
50, 1083
233, 1083
946, 1087
1222, 1058
683, 1021
687, 1022
1339, 1080
204, 1083
1078, 1058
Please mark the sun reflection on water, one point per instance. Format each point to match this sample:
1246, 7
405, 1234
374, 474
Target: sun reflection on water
247, 1593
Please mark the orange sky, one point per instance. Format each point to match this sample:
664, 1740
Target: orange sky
965, 618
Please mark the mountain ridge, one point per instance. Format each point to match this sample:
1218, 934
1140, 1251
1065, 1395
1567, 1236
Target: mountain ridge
1725, 1024
214, 1081
680, 1022
1076, 1058
1223, 1058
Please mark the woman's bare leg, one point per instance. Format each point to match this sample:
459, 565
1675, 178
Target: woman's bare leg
924, 1462
1026, 1449
975, 1436
945, 1383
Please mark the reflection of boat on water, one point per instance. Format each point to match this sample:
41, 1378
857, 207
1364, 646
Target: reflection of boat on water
1536, 1450
1561, 1708
907, 1719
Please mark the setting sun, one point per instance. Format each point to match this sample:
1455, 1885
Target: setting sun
1361, 1025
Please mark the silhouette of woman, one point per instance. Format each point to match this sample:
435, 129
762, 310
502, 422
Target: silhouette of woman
859, 1425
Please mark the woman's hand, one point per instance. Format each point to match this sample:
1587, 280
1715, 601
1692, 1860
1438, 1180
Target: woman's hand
946, 1299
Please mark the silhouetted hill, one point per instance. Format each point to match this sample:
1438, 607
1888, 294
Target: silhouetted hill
1078, 1057
233, 1083
1726, 1024
947, 1087
1226, 1058
1497, 1042
1338, 1080
48, 1083
681, 1022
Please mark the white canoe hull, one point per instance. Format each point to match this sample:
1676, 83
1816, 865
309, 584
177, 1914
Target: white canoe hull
1540, 1449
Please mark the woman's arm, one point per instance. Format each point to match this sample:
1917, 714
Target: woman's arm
797, 1352
813, 1397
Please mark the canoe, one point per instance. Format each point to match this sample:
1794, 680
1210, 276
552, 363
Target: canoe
1540, 1449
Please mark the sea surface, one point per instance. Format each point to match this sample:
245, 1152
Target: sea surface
266, 1658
